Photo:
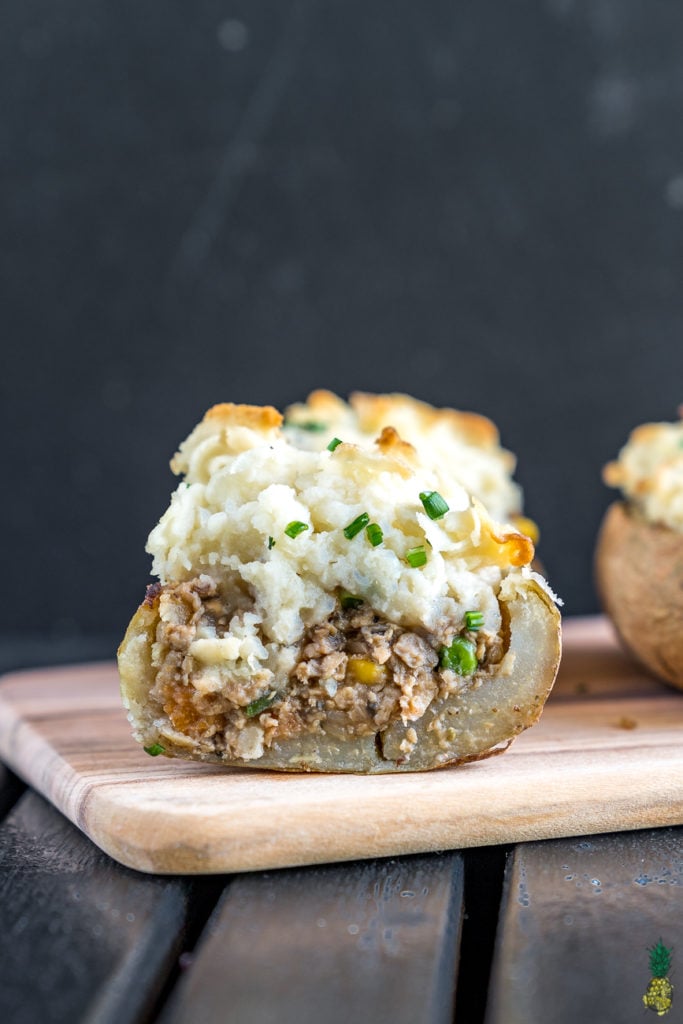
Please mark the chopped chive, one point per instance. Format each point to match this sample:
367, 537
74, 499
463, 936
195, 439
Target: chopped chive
434, 504
296, 527
271, 543
155, 750
313, 425
416, 556
348, 600
260, 704
356, 526
460, 656
374, 532
334, 443
474, 620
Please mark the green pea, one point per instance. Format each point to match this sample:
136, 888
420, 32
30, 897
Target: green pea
460, 657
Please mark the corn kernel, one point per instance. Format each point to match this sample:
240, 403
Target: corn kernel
367, 671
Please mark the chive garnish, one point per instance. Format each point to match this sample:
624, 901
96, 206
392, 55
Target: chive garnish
260, 704
374, 532
474, 620
271, 543
460, 656
348, 600
296, 527
356, 526
334, 443
155, 750
434, 505
416, 557
313, 425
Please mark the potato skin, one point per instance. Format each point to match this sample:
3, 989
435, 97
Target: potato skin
482, 724
639, 575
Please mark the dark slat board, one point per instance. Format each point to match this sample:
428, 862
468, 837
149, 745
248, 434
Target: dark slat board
578, 917
11, 789
372, 941
81, 938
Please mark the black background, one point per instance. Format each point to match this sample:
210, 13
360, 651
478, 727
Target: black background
478, 203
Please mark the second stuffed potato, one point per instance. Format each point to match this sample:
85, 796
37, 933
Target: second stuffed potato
639, 553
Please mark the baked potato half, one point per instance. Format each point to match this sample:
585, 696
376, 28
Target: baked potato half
639, 550
639, 576
478, 719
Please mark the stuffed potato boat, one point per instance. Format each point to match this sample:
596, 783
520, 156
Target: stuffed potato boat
347, 608
639, 552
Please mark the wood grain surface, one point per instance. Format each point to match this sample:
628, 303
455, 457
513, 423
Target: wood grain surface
606, 756
577, 920
369, 941
82, 939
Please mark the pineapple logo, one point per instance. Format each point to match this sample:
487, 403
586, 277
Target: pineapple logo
660, 991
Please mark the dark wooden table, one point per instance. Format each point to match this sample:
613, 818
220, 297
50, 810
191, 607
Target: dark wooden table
551, 931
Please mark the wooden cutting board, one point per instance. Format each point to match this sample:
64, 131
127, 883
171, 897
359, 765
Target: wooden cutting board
607, 755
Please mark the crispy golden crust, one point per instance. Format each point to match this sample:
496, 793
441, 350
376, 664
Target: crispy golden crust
612, 474
649, 471
376, 410
639, 574
389, 443
257, 417
228, 425
326, 403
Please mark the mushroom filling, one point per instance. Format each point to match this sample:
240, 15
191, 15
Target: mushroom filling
220, 682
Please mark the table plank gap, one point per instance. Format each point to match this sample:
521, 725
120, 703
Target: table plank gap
11, 788
484, 872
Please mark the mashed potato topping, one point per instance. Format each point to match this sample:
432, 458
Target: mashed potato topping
466, 444
649, 472
246, 482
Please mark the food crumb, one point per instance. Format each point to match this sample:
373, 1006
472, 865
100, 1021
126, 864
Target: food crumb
627, 723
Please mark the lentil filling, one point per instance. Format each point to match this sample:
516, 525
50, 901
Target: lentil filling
352, 675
